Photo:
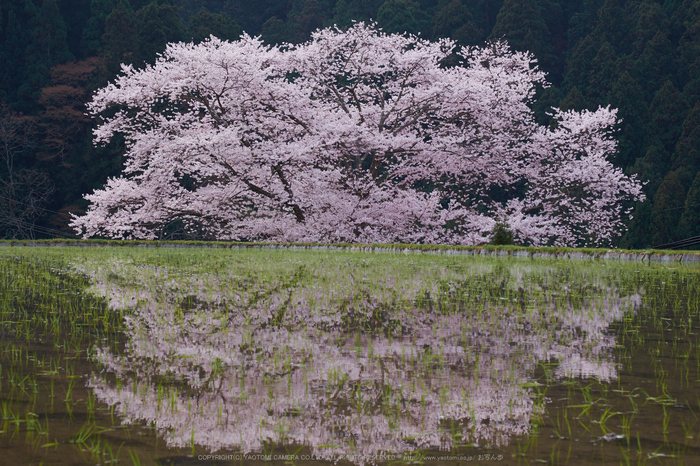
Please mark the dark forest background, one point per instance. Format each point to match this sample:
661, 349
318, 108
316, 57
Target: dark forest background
642, 57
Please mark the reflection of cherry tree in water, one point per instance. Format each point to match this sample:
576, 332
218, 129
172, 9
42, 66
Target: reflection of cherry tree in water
246, 363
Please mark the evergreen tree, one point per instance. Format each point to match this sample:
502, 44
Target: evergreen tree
676, 11
546, 99
12, 66
95, 27
120, 40
580, 64
690, 220
691, 89
612, 25
520, 23
666, 214
188, 9
275, 31
501, 234
48, 40
252, 15
449, 18
76, 14
204, 24
652, 168
649, 19
347, 11
137, 5
485, 12
655, 63
157, 25
342, 16
640, 231
604, 73
48, 46
574, 100
455, 21
556, 19
582, 21
689, 43
688, 146
306, 17
667, 111
628, 97
401, 16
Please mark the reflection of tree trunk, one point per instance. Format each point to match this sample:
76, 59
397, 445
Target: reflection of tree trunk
22, 191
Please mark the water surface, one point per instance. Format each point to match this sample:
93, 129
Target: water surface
168, 356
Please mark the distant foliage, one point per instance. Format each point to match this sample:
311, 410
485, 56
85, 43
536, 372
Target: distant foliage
353, 136
641, 58
501, 234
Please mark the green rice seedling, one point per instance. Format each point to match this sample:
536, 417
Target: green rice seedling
558, 430
7, 411
69, 391
587, 428
625, 456
666, 421
627, 428
108, 455
639, 445
98, 449
33, 424
53, 444
607, 414
91, 405
688, 429
85, 433
665, 399
135, 460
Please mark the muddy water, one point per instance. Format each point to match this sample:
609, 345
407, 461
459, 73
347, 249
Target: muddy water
313, 357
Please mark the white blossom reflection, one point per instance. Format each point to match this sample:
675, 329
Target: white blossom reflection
347, 360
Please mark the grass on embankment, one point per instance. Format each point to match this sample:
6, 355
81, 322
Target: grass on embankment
593, 253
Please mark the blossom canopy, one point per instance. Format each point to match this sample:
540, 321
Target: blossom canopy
353, 136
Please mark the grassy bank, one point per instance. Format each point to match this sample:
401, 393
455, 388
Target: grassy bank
650, 255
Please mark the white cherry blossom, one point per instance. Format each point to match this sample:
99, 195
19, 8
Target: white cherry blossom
353, 136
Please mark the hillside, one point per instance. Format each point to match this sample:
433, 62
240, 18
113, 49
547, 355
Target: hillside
642, 57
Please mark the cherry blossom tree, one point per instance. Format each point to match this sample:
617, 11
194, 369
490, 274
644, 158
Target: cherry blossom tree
354, 136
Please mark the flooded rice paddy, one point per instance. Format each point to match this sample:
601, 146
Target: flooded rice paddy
260, 356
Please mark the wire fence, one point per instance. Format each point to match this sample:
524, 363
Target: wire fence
684, 243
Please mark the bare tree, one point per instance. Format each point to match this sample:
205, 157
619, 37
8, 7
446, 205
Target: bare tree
23, 191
